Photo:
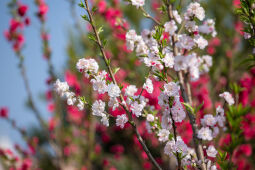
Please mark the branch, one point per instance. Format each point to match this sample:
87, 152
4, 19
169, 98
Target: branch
98, 41
147, 15
28, 90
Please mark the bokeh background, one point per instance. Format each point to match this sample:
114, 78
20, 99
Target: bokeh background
12, 90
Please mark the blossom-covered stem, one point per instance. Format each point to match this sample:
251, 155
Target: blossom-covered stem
150, 17
196, 141
98, 40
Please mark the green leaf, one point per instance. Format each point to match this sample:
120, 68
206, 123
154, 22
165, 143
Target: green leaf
108, 61
92, 37
94, 9
85, 18
188, 107
100, 30
116, 70
104, 42
81, 4
198, 107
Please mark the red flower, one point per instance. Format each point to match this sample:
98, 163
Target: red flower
52, 124
4, 112
102, 6
236, 3
27, 21
22, 10
43, 9
225, 141
14, 24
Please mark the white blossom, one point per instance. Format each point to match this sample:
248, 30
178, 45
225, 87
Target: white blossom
141, 47
216, 131
150, 118
137, 108
71, 99
170, 27
194, 9
131, 37
113, 90
137, 3
180, 63
191, 26
228, 97
169, 60
185, 41
208, 120
163, 100
200, 41
220, 110
105, 120
61, 87
221, 120
177, 110
178, 146
99, 85
113, 102
98, 108
211, 151
130, 90
171, 89
80, 104
153, 61
246, 35
166, 121
208, 27
87, 66
163, 135
206, 63
121, 120
177, 17
148, 86
168, 149
205, 133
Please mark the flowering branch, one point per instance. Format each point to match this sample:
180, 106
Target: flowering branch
187, 99
98, 41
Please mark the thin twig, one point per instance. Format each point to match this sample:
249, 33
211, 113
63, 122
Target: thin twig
29, 93
147, 15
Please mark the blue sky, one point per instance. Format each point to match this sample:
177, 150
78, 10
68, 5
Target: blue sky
12, 89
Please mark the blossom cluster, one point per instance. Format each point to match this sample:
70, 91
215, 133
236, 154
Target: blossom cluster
147, 45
